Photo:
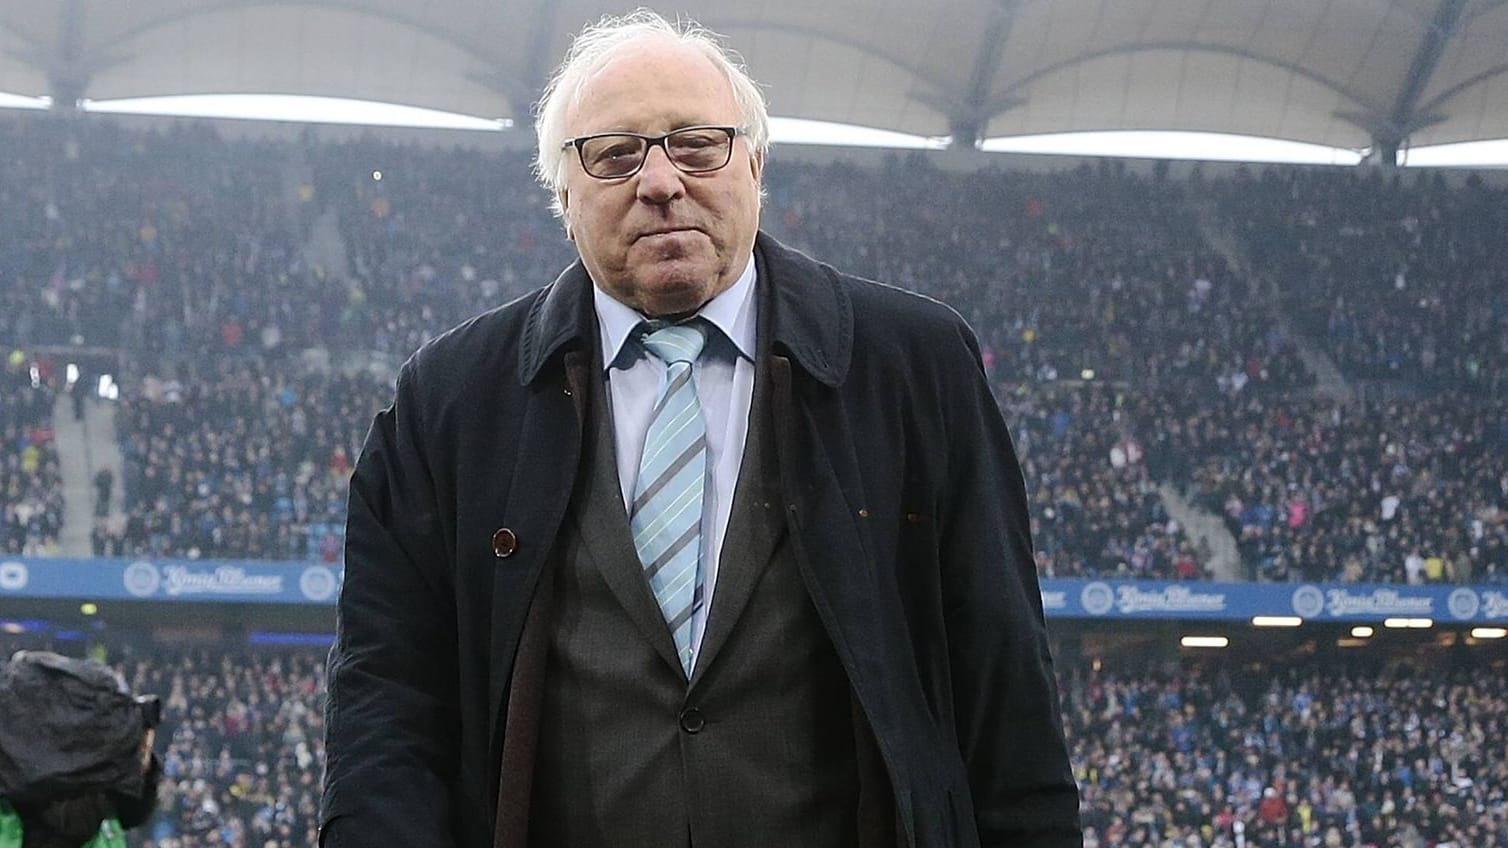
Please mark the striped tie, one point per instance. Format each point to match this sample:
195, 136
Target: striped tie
666, 516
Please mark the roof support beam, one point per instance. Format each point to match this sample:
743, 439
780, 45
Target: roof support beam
1426, 59
66, 74
520, 91
967, 123
1391, 132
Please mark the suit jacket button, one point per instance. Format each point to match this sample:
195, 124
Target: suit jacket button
504, 543
692, 720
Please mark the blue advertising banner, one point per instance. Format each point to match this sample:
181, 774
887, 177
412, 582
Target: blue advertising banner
264, 582
218, 581
1348, 602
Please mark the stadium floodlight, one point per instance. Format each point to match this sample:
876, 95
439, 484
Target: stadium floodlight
1204, 642
1362, 631
1175, 144
1485, 153
88, 608
297, 108
22, 101
1409, 623
1276, 621
1488, 632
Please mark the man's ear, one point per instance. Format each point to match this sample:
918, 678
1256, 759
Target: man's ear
563, 196
756, 164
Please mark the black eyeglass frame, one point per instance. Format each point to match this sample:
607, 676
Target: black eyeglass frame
661, 141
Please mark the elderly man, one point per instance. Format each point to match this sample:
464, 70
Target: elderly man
702, 544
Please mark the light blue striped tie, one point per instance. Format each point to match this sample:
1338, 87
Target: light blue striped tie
666, 516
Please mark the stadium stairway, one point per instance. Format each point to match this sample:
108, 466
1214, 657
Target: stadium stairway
1207, 531
324, 248
1329, 382
85, 446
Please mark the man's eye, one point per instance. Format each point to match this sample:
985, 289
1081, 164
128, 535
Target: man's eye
617, 151
695, 141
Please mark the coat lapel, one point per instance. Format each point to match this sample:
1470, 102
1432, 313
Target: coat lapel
548, 448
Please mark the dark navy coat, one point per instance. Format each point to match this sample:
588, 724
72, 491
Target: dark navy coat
904, 501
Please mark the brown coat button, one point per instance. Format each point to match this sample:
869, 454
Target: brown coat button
504, 543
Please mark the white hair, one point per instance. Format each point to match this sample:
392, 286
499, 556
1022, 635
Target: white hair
597, 43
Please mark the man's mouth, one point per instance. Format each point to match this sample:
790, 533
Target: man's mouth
665, 231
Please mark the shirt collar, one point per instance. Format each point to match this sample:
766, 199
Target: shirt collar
732, 312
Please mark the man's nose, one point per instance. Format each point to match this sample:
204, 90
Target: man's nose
659, 180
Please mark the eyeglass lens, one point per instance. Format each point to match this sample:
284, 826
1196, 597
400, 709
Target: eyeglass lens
691, 150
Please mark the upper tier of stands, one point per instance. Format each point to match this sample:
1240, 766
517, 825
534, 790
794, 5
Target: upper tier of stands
1397, 276
1127, 350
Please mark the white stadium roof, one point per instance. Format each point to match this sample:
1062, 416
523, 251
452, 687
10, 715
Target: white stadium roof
1344, 73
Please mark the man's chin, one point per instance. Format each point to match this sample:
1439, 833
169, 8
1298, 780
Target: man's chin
676, 295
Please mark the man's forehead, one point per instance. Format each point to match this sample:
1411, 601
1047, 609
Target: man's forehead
666, 83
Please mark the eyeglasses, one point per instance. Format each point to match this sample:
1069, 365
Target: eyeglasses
616, 155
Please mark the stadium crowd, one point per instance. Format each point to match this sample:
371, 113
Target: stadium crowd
164, 242
242, 750
1095, 505
241, 460
1316, 756
1399, 276
31, 488
1096, 270
1411, 491
442, 235
1126, 352
1323, 754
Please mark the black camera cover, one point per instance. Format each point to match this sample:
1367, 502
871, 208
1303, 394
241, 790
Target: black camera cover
67, 727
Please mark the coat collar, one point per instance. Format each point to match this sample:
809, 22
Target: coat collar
811, 317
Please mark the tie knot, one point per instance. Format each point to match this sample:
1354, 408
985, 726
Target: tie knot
673, 342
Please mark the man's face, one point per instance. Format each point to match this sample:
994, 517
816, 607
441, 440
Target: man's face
661, 241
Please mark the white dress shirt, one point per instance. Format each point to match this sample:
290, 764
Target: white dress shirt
724, 377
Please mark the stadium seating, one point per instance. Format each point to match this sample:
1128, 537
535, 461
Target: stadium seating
1321, 754
1398, 275
31, 492
1129, 353
1310, 756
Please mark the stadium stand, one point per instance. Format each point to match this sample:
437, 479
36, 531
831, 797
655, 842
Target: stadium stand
1097, 268
1398, 277
245, 747
237, 445
1323, 752
243, 460
1096, 511
31, 493
442, 236
1408, 491
1308, 756
166, 242
1128, 353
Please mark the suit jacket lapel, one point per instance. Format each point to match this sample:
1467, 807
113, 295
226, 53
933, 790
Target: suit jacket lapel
603, 524
754, 528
